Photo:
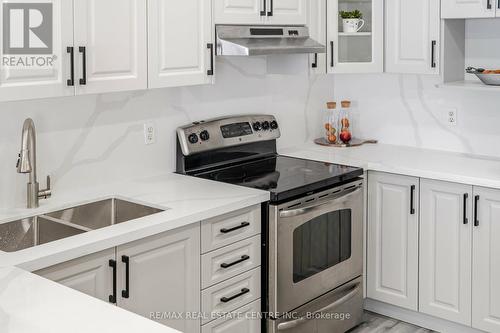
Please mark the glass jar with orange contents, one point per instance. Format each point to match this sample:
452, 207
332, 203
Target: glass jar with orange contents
345, 129
330, 122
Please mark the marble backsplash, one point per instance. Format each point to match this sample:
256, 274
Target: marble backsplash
89, 140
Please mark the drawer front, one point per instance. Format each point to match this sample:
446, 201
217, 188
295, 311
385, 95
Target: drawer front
230, 228
229, 261
243, 320
231, 294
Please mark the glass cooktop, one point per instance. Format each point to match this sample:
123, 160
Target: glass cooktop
284, 177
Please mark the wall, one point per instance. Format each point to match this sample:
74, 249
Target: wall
89, 140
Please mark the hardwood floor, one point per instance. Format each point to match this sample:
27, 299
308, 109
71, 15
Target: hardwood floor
374, 323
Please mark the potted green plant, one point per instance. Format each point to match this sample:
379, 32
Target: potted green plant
352, 21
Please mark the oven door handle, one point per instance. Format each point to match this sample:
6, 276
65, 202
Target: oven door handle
304, 210
354, 290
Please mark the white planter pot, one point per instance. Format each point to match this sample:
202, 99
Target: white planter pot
352, 25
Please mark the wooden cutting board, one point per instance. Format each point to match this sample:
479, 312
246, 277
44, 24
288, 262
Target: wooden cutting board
354, 143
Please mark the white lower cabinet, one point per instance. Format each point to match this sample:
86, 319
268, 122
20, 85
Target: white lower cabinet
241, 321
445, 250
164, 276
486, 261
392, 249
91, 275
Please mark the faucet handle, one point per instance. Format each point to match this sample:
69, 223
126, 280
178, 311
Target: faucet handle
46, 193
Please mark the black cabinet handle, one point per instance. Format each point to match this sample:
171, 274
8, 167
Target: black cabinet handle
243, 258
263, 12
126, 292
433, 54
229, 299
83, 51
332, 58
112, 298
271, 7
488, 4
466, 197
242, 225
71, 51
210, 46
315, 63
412, 199
476, 206
498, 5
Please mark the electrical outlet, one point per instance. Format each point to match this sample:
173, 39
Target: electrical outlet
451, 117
149, 134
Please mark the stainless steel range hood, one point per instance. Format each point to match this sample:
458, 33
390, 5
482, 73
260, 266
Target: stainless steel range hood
265, 40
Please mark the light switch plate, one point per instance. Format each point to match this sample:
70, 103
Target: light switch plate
149, 134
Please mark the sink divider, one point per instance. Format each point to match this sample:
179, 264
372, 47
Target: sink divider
66, 223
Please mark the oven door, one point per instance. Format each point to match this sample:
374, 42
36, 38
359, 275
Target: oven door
316, 245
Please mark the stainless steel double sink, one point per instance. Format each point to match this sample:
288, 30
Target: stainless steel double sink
41, 229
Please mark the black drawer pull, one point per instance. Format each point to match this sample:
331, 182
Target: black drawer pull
433, 54
112, 298
476, 206
243, 258
71, 80
412, 200
229, 299
242, 225
315, 63
466, 197
271, 5
210, 71
264, 11
126, 292
83, 51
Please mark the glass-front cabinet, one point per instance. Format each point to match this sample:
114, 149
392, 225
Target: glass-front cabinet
355, 40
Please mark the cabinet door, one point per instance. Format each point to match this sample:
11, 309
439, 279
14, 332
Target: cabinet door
179, 34
288, 12
467, 8
164, 276
486, 262
114, 35
356, 52
317, 29
91, 275
240, 11
445, 250
413, 30
392, 256
35, 64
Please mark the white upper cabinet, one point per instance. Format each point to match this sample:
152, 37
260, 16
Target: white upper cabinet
110, 45
412, 36
278, 12
467, 8
355, 48
317, 23
392, 249
49, 75
486, 262
180, 43
445, 250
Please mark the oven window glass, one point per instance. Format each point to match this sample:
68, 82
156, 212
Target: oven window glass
321, 243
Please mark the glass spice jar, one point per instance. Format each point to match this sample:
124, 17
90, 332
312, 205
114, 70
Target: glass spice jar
345, 122
330, 122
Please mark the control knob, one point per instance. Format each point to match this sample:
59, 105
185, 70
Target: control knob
257, 126
274, 124
193, 138
265, 125
204, 136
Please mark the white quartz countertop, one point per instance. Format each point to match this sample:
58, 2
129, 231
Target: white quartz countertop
424, 163
31, 304
186, 200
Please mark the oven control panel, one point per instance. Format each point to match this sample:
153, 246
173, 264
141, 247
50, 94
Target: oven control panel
226, 132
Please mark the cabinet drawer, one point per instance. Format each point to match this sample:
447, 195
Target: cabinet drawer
231, 294
243, 320
229, 261
230, 228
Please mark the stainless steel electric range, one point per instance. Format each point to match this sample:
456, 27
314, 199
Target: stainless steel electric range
312, 226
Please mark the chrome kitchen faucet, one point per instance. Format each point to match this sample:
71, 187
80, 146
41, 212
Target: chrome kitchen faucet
26, 163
